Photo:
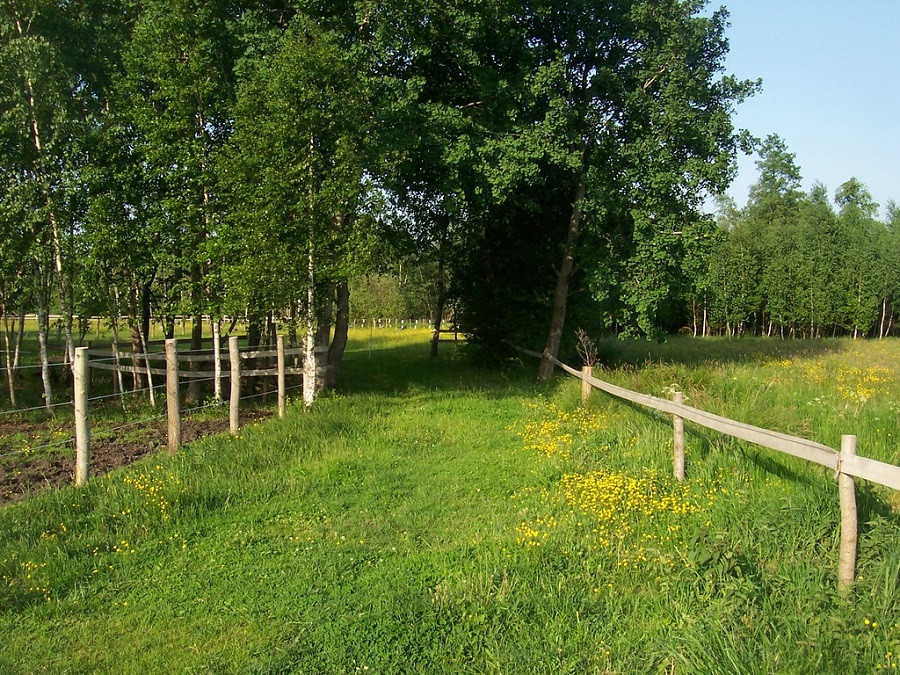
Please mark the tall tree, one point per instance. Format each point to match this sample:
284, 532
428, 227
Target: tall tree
38, 114
175, 96
627, 100
295, 174
772, 216
857, 220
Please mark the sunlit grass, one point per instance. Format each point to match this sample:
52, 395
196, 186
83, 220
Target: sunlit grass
430, 516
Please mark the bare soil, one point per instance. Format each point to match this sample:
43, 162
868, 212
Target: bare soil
20, 479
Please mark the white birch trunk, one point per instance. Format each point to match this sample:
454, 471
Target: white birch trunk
10, 371
42, 348
19, 337
309, 342
118, 383
147, 365
217, 355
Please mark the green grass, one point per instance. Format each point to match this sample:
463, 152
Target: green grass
419, 520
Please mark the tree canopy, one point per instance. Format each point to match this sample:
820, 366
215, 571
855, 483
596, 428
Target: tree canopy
547, 162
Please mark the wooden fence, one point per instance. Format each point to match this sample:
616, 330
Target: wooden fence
173, 376
845, 463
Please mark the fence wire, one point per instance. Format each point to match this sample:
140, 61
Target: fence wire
154, 418
126, 356
33, 408
37, 447
37, 365
126, 393
132, 424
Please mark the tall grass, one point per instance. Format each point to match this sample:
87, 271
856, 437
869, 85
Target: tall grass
422, 519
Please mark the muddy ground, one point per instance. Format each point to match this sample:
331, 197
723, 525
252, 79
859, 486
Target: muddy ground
21, 478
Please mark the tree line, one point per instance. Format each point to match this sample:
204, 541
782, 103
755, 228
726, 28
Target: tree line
234, 159
798, 265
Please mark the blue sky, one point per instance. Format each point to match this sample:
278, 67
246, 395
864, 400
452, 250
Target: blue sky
831, 88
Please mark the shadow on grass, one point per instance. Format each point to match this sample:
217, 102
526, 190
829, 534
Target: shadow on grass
692, 351
408, 368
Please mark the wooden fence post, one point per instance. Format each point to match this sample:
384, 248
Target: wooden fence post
279, 349
586, 372
849, 527
235, 400
678, 459
82, 432
173, 400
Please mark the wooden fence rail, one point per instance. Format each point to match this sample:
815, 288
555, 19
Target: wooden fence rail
845, 463
194, 358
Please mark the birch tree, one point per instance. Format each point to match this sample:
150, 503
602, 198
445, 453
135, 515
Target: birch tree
294, 173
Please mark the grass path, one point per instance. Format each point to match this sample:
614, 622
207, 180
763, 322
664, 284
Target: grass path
420, 520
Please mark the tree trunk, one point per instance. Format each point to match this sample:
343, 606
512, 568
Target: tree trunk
561, 294
63, 289
193, 390
42, 348
10, 371
341, 330
217, 358
440, 297
20, 335
309, 344
255, 328
309, 348
137, 380
705, 317
145, 349
118, 384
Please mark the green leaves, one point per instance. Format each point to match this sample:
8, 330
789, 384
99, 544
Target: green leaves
294, 169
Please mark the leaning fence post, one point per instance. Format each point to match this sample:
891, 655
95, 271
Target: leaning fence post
849, 527
678, 458
82, 435
586, 372
173, 400
235, 401
279, 352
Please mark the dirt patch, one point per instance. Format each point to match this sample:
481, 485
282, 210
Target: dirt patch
9, 429
41, 473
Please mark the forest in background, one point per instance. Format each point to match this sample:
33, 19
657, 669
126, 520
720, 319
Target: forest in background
534, 165
797, 264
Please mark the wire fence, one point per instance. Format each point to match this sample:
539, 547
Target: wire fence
103, 431
34, 366
129, 392
36, 448
19, 411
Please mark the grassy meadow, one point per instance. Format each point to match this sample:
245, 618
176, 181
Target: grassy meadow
432, 516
